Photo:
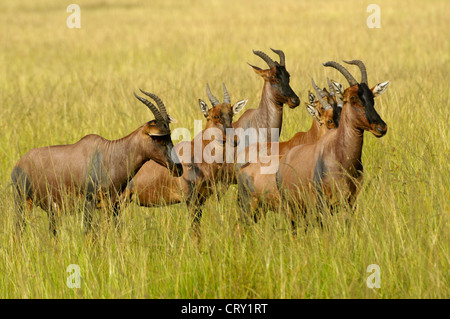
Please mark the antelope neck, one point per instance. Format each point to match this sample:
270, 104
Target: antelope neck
129, 152
349, 139
270, 111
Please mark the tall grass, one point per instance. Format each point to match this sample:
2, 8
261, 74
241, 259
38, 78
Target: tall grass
59, 84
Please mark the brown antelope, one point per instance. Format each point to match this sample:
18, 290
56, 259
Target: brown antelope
269, 115
153, 186
331, 166
94, 168
256, 183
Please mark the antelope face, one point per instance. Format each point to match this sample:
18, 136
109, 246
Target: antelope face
221, 117
328, 116
361, 99
278, 78
159, 143
156, 138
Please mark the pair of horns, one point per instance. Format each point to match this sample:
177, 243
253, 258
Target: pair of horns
351, 80
268, 60
321, 95
160, 114
214, 100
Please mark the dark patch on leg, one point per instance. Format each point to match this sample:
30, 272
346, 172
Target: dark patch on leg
89, 206
278, 179
194, 175
245, 188
95, 178
52, 221
96, 172
21, 183
116, 216
319, 173
194, 204
22, 192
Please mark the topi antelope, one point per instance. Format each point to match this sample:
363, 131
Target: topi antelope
256, 183
269, 115
94, 168
153, 186
331, 166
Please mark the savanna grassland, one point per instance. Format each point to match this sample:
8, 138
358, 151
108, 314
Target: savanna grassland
59, 84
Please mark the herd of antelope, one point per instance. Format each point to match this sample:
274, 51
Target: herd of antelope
314, 168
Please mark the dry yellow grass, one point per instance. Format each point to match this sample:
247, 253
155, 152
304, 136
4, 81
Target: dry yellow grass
59, 84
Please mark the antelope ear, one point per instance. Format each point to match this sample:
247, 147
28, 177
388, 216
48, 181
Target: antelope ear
311, 97
172, 119
312, 111
153, 131
338, 87
204, 107
239, 106
380, 88
258, 70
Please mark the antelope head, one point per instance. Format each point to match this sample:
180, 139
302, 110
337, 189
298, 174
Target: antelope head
220, 116
361, 98
155, 136
328, 106
278, 78
324, 116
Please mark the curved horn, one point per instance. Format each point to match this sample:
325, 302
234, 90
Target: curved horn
226, 96
282, 57
332, 90
211, 97
320, 95
265, 57
361, 67
159, 102
351, 80
151, 106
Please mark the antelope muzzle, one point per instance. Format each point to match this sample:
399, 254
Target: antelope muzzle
293, 101
379, 129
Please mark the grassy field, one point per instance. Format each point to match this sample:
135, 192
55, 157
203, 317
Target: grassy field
59, 84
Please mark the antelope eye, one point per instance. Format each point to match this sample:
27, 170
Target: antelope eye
329, 121
216, 117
